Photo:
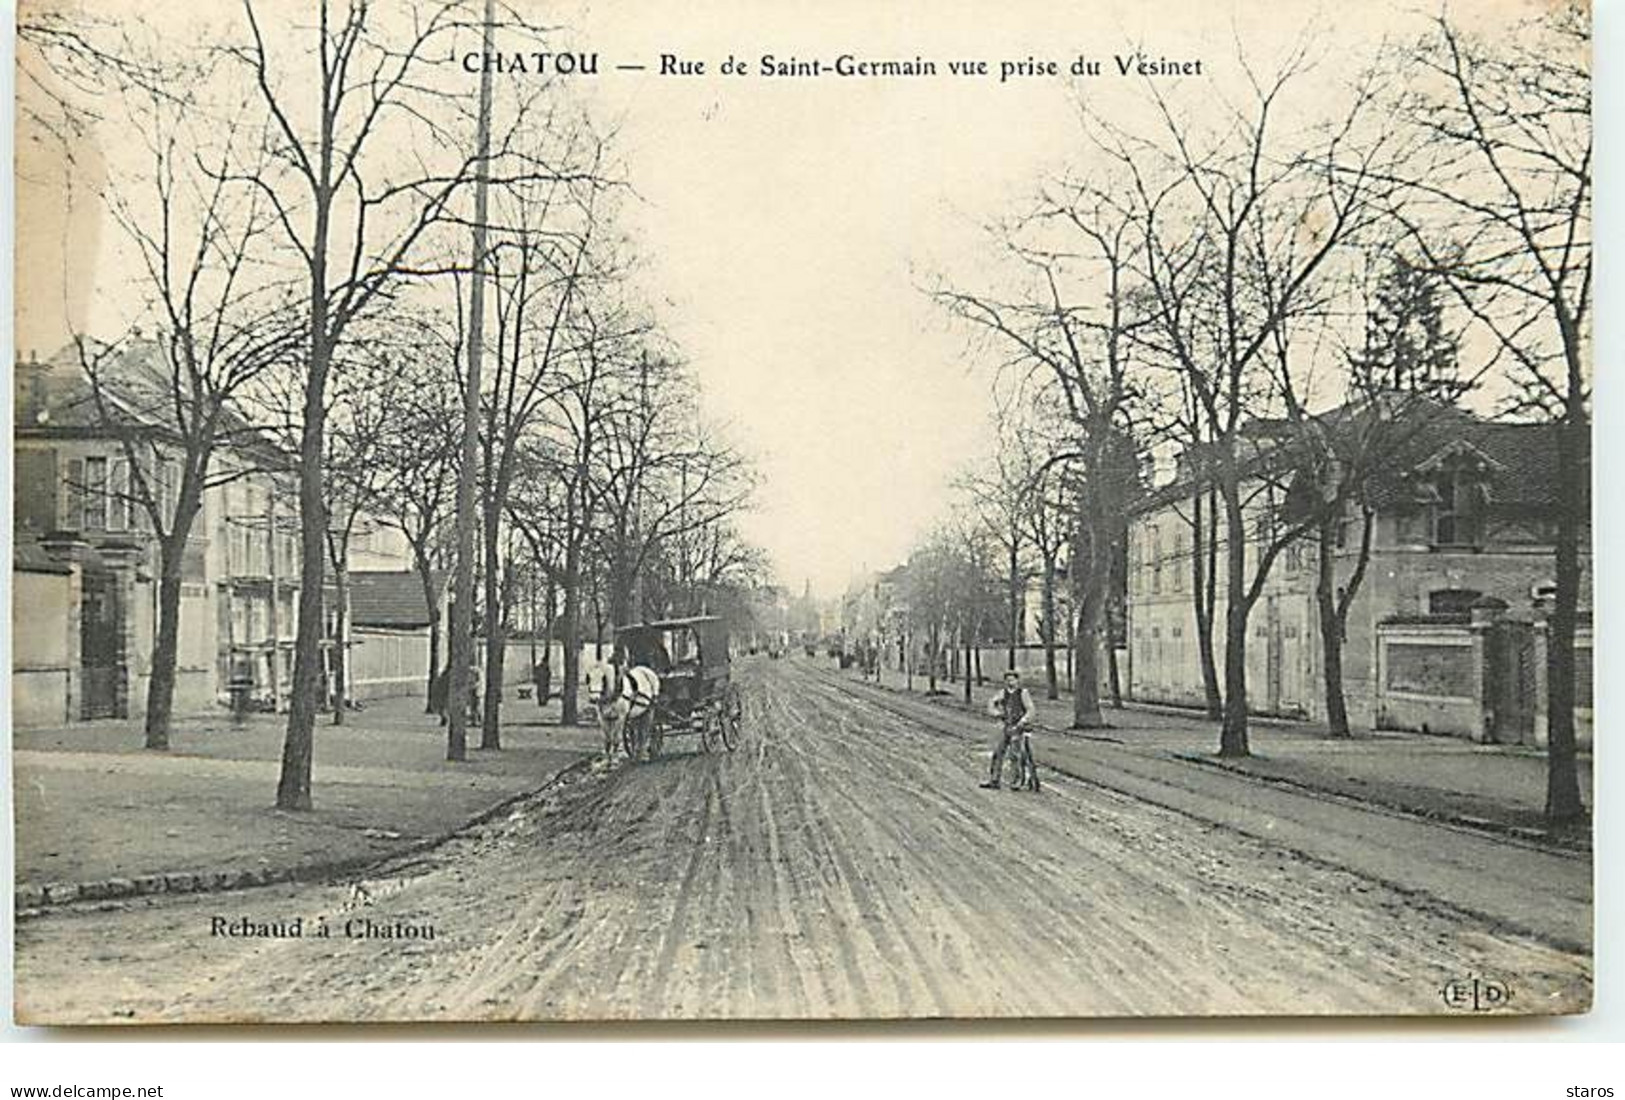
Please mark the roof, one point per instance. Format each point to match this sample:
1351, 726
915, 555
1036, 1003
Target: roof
1520, 459
391, 599
54, 397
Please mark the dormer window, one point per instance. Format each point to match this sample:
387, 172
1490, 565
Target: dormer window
1453, 486
1458, 513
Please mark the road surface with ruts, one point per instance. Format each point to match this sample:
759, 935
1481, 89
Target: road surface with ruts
844, 863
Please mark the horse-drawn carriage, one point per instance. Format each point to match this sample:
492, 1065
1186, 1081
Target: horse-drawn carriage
674, 679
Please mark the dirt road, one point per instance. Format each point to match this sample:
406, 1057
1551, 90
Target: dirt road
842, 863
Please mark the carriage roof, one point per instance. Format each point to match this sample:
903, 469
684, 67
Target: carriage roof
671, 624
711, 630
708, 627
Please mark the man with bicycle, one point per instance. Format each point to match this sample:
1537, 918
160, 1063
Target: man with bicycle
1014, 708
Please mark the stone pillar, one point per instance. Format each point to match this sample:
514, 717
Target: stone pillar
1484, 712
1542, 691
1487, 613
124, 560
69, 549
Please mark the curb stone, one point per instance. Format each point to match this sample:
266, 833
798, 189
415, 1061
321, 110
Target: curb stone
34, 900
1557, 844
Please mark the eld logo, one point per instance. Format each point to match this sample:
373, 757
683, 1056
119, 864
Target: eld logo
1476, 995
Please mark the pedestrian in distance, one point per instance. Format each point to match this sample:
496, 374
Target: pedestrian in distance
439, 688
1013, 707
541, 675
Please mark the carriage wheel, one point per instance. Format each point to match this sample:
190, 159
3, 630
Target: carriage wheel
708, 731
731, 716
629, 738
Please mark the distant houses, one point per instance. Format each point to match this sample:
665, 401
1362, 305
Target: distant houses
1445, 633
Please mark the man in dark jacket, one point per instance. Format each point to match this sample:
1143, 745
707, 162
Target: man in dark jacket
1013, 707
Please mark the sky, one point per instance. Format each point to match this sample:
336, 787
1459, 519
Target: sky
798, 224
792, 227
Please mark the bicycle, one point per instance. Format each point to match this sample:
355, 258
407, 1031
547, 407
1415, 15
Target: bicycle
1020, 770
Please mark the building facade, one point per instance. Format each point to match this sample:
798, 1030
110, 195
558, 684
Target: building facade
86, 565
1461, 541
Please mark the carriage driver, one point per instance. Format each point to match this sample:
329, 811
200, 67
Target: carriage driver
1013, 706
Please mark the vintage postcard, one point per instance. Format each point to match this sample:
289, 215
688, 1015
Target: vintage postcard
746, 510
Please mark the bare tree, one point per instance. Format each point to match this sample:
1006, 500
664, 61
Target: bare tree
1403, 380
538, 270
356, 213
1004, 501
662, 473
371, 388
1239, 230
418, 458
218, 326
1498, 199
1083, 234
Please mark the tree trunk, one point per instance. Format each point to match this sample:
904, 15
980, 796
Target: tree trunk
1114, 675
1052, 679
166, 647
1086, 564
496, 643
1015, 602
298, 746
934, 646
967, 677
1233, 733
432, 608
1204, 566
293, 787
341, 644
1331, 627
1563, 802
569, 695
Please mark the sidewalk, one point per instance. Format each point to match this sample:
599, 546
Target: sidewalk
1498, 787
99, 816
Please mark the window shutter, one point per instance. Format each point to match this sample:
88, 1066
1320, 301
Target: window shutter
118, 502
73, 495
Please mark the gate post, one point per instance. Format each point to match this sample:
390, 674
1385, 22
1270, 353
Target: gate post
1488, 640
69, 549
123, 559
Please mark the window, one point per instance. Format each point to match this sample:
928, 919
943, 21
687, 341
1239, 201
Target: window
95, 517
241, 550
119, 504
169, 480
1292, 556
287, 562
1458, 507
1179, 561
1458, 517
1156, 560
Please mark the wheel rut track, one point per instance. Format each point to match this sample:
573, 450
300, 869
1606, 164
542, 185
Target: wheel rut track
949, 725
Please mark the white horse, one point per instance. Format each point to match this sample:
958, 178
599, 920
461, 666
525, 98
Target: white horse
622, 697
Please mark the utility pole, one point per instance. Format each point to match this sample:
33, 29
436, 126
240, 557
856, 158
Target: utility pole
639, 454
276, 593
462, 611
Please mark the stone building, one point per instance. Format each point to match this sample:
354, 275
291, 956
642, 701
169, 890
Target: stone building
86, 560
1463, 529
